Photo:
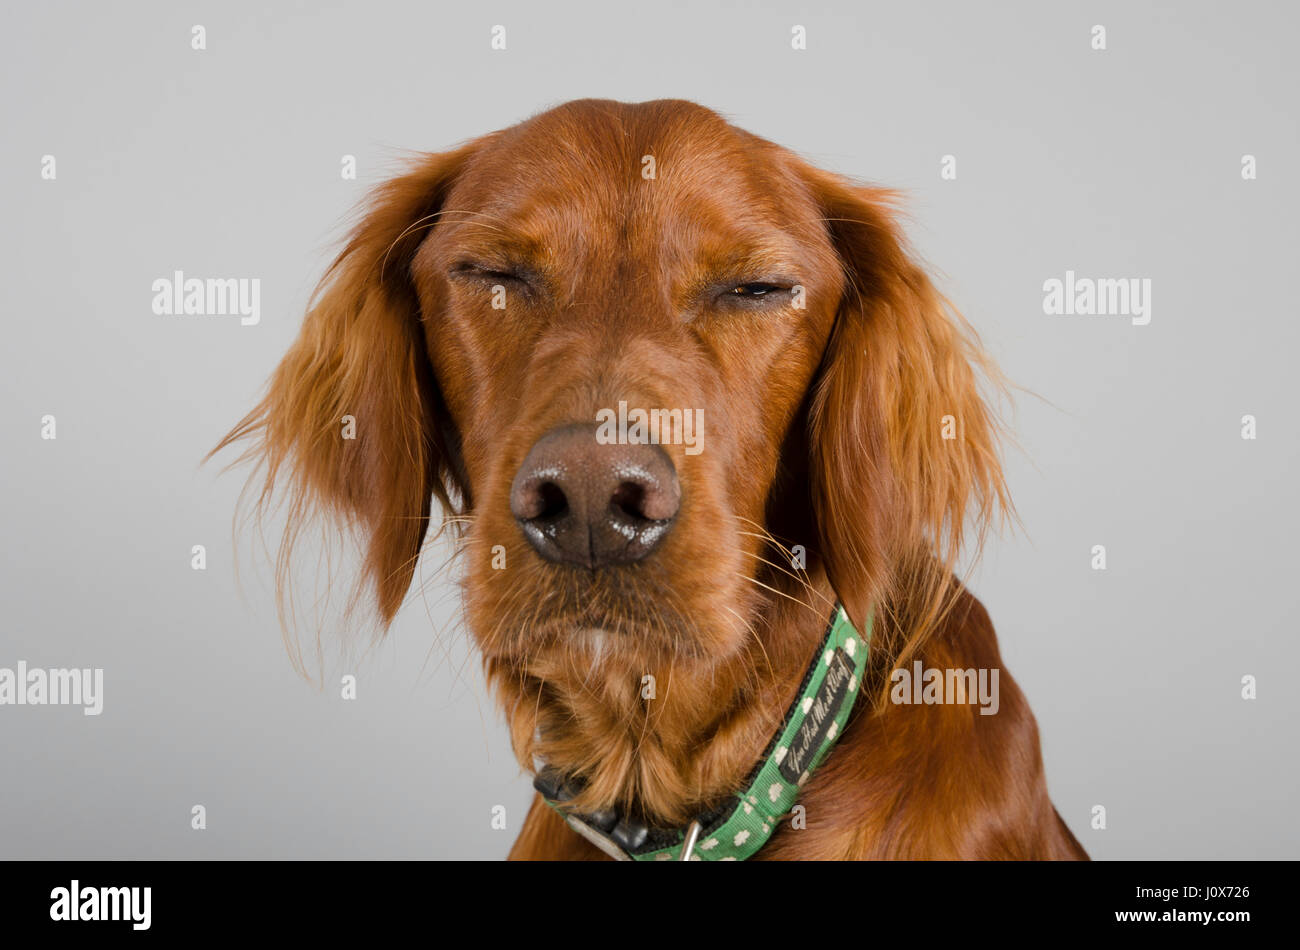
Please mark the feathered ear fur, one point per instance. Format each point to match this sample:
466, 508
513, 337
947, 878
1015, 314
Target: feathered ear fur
904, 447
361, 354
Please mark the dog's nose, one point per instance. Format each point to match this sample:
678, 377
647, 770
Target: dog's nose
594, 505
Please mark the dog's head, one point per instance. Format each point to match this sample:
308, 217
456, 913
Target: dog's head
663, 375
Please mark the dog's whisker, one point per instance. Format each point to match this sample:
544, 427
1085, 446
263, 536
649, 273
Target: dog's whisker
779, 593
795, 577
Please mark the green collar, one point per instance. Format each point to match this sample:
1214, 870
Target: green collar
740, 826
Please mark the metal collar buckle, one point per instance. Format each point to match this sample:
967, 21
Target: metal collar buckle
692, 836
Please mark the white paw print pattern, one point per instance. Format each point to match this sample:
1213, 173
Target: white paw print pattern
741, 838
775, 791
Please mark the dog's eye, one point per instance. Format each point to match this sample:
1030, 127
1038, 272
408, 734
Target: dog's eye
755, 290
473, 271
754, 293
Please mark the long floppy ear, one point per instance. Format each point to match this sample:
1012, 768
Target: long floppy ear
904, 446
361, 354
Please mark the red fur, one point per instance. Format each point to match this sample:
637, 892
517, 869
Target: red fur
823, 429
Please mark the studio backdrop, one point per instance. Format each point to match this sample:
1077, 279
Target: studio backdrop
1146, 602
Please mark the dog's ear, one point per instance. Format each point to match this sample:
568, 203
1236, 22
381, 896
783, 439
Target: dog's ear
904, 447
351, 425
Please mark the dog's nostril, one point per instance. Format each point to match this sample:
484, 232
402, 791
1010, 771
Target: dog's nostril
629, 498
553, 500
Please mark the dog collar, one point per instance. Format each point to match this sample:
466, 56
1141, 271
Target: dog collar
742, 824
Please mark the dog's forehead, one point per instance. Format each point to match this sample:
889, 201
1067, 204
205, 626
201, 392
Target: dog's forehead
596, 169
620, 146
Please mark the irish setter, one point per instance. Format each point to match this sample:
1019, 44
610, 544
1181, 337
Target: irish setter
499, 300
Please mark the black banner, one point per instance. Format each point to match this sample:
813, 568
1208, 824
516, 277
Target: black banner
90, 900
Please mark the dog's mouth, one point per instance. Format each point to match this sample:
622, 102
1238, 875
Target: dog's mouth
647, 633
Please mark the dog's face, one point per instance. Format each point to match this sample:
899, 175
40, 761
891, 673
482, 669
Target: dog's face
496, 324
567, 275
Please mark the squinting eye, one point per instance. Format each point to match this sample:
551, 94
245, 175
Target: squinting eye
754, 290
482, 273
505, 275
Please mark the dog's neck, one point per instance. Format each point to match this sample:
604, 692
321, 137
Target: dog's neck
665, 743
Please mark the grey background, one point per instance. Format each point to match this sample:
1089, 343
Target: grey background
1123, 163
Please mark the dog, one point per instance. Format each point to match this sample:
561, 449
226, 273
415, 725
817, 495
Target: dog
699, 644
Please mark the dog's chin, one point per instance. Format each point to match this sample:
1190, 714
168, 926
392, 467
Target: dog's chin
619, 704
593, 642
